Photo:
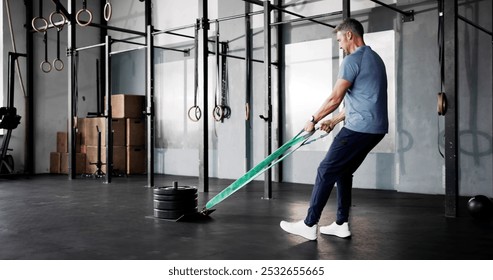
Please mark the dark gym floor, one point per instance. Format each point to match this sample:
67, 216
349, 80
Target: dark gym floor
51, 217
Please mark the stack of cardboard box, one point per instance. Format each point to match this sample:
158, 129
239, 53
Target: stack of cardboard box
59, 159
128, 126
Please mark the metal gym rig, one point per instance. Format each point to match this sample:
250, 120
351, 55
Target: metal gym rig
449, 14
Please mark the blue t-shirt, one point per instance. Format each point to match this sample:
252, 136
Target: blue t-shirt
366, 99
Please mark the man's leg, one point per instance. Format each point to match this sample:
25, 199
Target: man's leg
340, 227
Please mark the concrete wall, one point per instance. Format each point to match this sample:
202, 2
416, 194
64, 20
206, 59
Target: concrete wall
415, 166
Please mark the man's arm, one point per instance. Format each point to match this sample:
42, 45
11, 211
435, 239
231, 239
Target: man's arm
330, 104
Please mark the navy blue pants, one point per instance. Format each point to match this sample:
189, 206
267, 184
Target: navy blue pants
345, 155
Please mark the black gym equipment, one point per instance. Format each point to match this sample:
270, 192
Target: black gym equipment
178, 203
9, 118
480, 207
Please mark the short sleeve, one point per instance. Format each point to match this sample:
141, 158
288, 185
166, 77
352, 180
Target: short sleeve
349, 70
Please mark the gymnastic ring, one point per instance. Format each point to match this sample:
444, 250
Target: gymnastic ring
226, 112
58, 26
108, 11
58, 64
442, 104
198, 113
77, 17
42, 29
218, 113
46, 69
247, 111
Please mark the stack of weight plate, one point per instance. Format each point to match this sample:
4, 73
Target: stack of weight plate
173, 202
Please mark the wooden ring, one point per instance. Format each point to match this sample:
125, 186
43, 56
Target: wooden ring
45, 66
79, 13
41, 29
59, 26
108, 11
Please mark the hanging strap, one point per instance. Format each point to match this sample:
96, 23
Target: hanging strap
84, 10
194, 113
43, 27
57, 62
45, 65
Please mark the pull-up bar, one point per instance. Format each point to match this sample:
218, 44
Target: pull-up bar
260, 3
306, 18
406, 16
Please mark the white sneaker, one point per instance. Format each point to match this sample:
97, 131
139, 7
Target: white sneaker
299, 228
341, 231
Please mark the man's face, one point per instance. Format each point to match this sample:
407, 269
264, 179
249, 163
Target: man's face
342, 38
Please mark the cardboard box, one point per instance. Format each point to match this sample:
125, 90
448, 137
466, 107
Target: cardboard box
136, 160
55, 159
80, 163
119, 159
127, 106
136, 131
62, 142
91, 126
81, 126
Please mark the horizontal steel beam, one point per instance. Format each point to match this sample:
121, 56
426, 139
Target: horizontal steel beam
475, 25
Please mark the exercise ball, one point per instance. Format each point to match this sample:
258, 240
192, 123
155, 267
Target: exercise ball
480, 206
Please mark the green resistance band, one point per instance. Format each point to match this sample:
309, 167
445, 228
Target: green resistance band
277, 156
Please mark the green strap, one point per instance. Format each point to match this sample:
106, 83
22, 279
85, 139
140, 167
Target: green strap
277, 156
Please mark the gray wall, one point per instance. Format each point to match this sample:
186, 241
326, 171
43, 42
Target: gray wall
416, 166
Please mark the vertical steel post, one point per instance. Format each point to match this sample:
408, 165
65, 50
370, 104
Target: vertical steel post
71, 46
103, 32
29, 157
451, 117
149, 93
203, 55
150, 105
248, 87
268, 98
346, 9
108, 111
278, 170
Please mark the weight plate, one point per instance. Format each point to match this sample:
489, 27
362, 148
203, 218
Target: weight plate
171, 214
163, 197
174, 191
175, 204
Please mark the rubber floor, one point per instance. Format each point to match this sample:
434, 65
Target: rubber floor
49, 217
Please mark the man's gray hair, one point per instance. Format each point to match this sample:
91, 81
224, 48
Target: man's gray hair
352, 25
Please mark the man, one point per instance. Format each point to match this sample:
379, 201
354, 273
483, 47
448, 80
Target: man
362, 84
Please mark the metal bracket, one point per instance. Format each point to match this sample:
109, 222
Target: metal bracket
203, 24
409, 16
71, 52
